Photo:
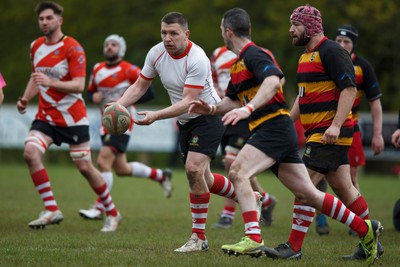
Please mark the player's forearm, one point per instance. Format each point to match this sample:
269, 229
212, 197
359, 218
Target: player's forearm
30, 91
295, 111
134, 92
376, 113
174, 110
75, 86
346, 101
269, 87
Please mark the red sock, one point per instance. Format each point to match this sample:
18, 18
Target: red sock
223, 187
199, 207
104, 195
41, 181
251, 225
229, 211
154, 175
360, 207
302, 218
335, 209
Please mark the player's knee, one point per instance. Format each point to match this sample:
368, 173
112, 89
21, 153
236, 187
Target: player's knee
193, 170
80, 154
35, 147
303, 198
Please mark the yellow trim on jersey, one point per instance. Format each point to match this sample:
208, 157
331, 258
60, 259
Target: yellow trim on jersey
318, 87
310, 57
358, 70
311, 118
342, 141
255, 123
238, 67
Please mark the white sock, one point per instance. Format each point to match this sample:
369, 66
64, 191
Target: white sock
140, 169
108, 178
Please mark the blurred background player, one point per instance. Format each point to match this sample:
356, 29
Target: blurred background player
367, 83
108, 81
234, 139
2, 85
58, 76
396, 134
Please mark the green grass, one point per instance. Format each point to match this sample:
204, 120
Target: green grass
152, 227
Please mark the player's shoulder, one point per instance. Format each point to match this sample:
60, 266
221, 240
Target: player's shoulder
128, 66
329, 45
37, 42
70, 40
219, 50
99, 65
361, 61
196, 53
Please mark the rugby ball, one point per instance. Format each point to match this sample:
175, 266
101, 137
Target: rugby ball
116, 119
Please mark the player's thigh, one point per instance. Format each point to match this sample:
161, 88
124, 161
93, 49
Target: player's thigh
251, 161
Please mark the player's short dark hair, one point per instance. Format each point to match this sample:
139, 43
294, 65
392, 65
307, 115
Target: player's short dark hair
238, 20
58, 10
175, 17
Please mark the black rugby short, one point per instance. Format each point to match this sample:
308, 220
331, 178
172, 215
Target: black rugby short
73, 135
235, 136
117, 143
277, 138
325, 158
202, 134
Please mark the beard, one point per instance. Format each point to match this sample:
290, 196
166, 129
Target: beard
302, 40
49, 32
111, 58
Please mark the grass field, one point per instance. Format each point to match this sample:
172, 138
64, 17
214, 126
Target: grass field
152, 227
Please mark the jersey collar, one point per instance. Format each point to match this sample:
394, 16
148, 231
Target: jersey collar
184, 54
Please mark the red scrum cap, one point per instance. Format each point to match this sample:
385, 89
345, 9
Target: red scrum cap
310, 17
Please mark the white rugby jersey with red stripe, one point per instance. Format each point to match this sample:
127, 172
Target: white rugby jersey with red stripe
221, 62
113, 81
62, 61
192, 69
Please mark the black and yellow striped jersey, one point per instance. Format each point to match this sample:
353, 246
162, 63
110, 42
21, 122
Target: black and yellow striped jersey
321, 75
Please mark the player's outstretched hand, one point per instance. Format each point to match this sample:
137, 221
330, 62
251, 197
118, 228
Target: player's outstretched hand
235, 115
149, 118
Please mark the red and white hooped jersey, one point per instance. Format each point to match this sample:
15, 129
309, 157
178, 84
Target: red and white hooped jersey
61, 61
113, 81
192, 69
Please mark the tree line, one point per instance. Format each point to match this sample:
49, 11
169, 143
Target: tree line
90, 21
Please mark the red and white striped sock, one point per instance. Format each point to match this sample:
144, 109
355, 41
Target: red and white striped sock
302, 218
223, 187
199, 207
109, 179
105, 197
335, 209
41, 181
229, 211
360, 207
251, 225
